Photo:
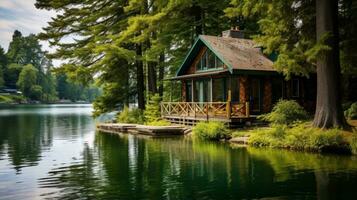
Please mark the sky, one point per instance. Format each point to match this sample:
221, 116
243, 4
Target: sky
23, 16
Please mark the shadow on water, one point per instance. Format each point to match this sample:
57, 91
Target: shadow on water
53, 152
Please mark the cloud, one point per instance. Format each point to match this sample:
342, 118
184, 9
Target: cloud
23, 16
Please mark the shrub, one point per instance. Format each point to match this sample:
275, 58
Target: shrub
152, 111
285, 112
267, 137
351, 113
299, 137
211, 131
134, 115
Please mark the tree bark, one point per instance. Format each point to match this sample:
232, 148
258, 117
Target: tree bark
161, 74
152, 78
140, 78
328, 104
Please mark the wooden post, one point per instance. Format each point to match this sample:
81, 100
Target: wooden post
207, 111
169, 106
228, 106
247, 109
161, 110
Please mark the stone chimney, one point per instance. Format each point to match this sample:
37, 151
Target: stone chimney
234, 32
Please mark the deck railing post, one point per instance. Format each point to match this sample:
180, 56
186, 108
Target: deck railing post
229, 106
194, 109
169, 106
247, 109
229, 109
207, 111
161, 109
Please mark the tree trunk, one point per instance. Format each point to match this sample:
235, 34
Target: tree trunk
140, 78
127, 86
151, 67
161, 74
198, 15
152, 86
328, 105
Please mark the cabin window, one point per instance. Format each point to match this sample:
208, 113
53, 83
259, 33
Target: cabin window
202, 90
219, 90
209, 61
295, 87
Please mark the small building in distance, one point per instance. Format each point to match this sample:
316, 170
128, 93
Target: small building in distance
229, 79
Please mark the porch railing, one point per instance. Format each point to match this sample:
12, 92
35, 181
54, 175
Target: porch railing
205, 109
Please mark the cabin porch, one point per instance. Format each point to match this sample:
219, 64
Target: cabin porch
189, 113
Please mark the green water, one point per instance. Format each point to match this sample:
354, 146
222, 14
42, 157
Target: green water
50, 152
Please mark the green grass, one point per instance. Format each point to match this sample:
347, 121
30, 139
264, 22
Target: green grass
7, 99
302, 137
159, 123
211, 131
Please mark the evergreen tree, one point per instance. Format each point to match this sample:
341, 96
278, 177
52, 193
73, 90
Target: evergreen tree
146, 34
3, 64
304, 45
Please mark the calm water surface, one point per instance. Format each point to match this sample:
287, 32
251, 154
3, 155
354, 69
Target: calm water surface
53, 152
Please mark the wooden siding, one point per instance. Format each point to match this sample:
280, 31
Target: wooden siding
243, 89
267, 98
192, 68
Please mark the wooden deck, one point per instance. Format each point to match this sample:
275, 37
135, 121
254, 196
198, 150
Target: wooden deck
142, 129
189, 113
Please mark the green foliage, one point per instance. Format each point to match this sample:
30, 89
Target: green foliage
115, 40
211, 131
5, 99
36, 92
74, 91
131, 116
285, 27
37, 82
8, 99
2, 81
299, 137
285, 112
152, 110
12, 74
351, 113
353, 144
27, 80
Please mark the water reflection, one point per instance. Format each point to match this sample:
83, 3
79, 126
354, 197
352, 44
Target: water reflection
142, 168
44, 155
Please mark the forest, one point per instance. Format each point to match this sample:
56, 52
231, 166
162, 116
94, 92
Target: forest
132, 46
26, 68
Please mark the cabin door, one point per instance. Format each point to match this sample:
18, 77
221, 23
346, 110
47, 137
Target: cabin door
255, 95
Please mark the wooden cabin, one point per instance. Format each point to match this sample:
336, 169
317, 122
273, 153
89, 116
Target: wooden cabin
229, 79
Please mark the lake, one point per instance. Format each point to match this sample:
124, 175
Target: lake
54, 152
